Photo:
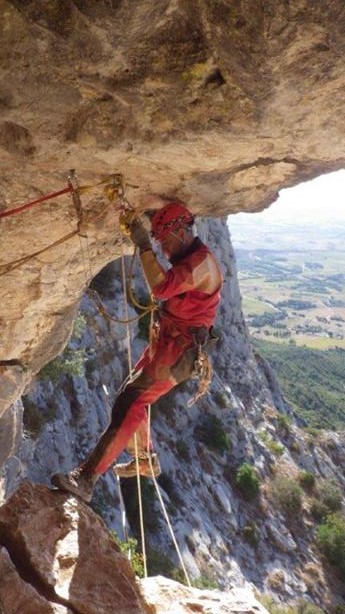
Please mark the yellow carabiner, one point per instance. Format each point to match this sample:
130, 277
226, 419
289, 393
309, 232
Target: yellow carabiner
127, 216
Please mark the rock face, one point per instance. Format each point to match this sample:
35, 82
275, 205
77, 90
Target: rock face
219, 105
168, 597
52, 545
56, 557
225, 539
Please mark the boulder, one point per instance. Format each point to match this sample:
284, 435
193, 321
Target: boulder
59, 554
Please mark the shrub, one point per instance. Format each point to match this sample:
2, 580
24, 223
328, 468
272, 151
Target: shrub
318, 510
250, 534
79, 325
330, 495
130, 549
206, 582
247, 480
221, 399
306, 480
330, 538
295, 447
70, 362
276, 579
312, 431
159, 563
302, 607
274, 446
212, 434
287, 494
284, 421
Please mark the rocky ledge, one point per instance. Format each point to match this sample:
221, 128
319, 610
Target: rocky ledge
52, 543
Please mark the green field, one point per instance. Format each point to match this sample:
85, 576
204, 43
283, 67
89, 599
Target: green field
320, 343
252, 305
304, 291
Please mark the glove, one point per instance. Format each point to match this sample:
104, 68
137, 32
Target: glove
140, 236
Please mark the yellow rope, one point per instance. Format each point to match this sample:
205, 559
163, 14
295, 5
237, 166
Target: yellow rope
11, 266
113, 183
152, 305
107, 315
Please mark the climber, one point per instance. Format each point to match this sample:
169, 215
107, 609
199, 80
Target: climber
190, 294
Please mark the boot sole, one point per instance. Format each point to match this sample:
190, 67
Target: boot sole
59, 483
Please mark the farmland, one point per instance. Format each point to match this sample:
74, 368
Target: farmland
292, 282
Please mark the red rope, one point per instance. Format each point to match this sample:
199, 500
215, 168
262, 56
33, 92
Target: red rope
35, 202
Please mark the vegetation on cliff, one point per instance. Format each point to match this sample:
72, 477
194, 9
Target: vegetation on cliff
311, 380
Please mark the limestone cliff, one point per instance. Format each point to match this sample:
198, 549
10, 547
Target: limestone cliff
225, 539
221, 104
218, 103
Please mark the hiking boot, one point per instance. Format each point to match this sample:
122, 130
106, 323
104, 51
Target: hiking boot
129, 470
78, 482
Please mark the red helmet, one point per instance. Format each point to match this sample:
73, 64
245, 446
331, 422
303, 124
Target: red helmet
171, 217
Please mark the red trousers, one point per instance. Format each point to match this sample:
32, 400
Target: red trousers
153, 377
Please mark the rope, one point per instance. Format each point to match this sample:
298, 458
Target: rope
102, 309
87, 263
127, 320
116, 186
123, 510
42, 199
146, 308
130, 372
7, 268
141, 514
149, 309
164, 508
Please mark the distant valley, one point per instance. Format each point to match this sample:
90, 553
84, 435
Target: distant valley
292, 280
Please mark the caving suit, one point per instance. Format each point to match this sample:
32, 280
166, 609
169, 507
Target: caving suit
190, 294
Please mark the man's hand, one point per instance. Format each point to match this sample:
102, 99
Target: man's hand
139, 235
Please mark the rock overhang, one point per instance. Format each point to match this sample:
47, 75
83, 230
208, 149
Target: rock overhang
211, 104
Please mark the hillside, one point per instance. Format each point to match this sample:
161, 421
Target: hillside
311, 380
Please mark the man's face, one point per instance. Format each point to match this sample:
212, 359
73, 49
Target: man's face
173, 243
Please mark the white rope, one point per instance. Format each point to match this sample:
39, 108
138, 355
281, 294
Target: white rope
141, 515
129, 354
164, 508
123, 510
128, 335
87, 262
122, 505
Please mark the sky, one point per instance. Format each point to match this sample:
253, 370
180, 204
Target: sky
320, 200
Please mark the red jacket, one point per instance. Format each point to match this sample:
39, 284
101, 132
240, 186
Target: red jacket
191, 288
